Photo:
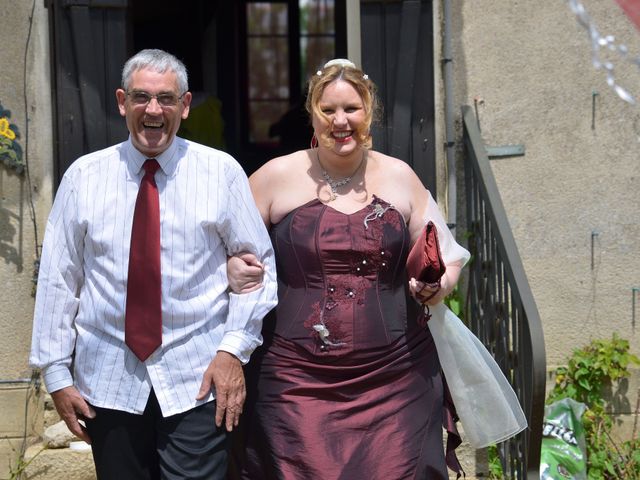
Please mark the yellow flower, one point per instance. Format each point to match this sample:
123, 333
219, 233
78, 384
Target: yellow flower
5, 130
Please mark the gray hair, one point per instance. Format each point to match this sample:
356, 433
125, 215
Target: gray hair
158, 61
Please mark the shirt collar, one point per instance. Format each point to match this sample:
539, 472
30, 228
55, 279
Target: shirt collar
166, 159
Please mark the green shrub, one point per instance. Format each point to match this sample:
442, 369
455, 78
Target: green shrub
590, 372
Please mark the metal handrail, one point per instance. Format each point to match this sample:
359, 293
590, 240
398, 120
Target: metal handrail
500, 307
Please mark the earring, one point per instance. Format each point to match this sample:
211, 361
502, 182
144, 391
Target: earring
314, 141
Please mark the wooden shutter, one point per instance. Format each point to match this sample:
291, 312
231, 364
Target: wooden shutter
88, 48
397, 54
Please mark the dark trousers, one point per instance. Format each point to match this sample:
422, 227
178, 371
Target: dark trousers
149, 447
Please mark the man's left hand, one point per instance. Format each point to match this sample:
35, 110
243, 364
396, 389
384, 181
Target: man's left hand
225, 374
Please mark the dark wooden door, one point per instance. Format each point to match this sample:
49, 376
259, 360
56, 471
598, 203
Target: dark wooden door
88, 49
397, 53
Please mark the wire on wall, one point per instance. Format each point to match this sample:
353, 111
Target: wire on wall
32, 209
34, 388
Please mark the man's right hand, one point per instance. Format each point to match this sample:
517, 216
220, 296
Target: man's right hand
72, 407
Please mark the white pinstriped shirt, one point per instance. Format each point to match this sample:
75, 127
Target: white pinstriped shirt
206, 212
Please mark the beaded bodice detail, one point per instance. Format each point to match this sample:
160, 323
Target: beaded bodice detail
342, 281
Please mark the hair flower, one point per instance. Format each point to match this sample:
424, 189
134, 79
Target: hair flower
365, 77
319, 73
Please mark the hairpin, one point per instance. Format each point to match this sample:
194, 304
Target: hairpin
343, 62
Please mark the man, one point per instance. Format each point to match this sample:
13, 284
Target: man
140, 232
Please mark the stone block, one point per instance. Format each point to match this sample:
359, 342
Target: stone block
16, 399
58, 436
60, 463
9, 454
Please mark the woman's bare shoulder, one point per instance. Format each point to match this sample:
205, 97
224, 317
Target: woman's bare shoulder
395, 181
392, 167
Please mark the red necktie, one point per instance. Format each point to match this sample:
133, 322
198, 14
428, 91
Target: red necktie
143, 322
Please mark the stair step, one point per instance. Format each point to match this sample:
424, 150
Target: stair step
68, 464
58, 463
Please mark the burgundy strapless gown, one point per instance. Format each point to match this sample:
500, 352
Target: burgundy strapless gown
347, 385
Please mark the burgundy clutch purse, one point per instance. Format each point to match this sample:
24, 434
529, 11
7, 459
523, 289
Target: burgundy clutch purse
424, 262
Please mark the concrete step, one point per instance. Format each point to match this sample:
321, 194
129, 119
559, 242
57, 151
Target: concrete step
68, 464
58, 464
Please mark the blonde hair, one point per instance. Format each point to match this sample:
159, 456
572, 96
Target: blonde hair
347, 72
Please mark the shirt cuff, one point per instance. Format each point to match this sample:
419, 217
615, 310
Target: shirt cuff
57, 377
237, 343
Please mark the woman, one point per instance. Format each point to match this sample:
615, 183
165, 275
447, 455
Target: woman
347, 384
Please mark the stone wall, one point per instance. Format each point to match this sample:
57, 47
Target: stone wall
24, 204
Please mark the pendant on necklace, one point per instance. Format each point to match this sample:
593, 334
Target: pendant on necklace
334, 184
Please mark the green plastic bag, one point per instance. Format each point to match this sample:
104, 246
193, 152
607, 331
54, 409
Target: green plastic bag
564, 453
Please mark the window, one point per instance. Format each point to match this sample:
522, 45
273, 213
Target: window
317, 35
286, 42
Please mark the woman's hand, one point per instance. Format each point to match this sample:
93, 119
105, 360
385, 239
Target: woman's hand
244, 273
427, 293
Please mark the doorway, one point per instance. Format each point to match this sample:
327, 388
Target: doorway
248, 62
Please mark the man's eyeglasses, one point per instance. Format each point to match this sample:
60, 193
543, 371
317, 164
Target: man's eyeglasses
141, 98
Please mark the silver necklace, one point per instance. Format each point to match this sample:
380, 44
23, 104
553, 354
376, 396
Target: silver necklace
334, 185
